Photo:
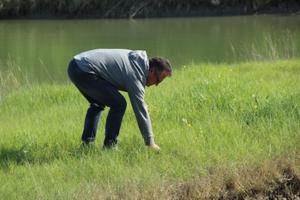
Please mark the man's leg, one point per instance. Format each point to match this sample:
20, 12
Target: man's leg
91, 123
82, 81
102, 93
114, 120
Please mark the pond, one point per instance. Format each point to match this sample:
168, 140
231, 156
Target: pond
43, 48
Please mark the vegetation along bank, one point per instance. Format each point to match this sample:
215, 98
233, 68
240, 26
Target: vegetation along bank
141, 8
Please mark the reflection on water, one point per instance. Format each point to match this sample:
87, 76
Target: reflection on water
43, 47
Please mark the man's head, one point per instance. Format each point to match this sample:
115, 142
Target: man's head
159, 69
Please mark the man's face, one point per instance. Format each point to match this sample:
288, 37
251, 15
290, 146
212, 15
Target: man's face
154, 78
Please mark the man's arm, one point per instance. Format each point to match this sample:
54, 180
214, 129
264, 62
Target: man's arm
136, 94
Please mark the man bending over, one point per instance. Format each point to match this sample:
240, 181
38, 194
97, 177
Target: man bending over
99, 75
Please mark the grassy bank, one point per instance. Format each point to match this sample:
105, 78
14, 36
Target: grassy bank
141, 8
210, 120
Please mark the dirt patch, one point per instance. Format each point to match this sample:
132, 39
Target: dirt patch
288, 187
272, 180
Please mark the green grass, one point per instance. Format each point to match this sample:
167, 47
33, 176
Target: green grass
206, 116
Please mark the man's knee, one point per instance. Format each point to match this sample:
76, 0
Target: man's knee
94, 107
120, 106
123, 105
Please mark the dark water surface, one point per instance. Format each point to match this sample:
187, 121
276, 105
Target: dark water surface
43, 48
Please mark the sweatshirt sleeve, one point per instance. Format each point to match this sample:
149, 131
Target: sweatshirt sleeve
136, 93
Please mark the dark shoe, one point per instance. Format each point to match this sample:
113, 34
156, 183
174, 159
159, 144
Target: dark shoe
110, 144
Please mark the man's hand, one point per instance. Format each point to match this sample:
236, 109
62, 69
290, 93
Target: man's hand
154, 147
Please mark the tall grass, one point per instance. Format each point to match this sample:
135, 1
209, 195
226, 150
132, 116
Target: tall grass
11, 77
270, 48
205, 117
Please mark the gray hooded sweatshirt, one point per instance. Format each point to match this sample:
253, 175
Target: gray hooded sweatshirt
127, 70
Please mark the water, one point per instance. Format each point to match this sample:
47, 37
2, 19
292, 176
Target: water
43, 48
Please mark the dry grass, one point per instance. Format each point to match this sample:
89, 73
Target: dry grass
10, 78
278, 179
273, 179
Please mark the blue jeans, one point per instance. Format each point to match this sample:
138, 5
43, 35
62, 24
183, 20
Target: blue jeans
99, 93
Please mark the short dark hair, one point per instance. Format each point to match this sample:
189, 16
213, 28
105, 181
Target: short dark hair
160, 64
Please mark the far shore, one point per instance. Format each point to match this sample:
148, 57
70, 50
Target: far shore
129, 11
